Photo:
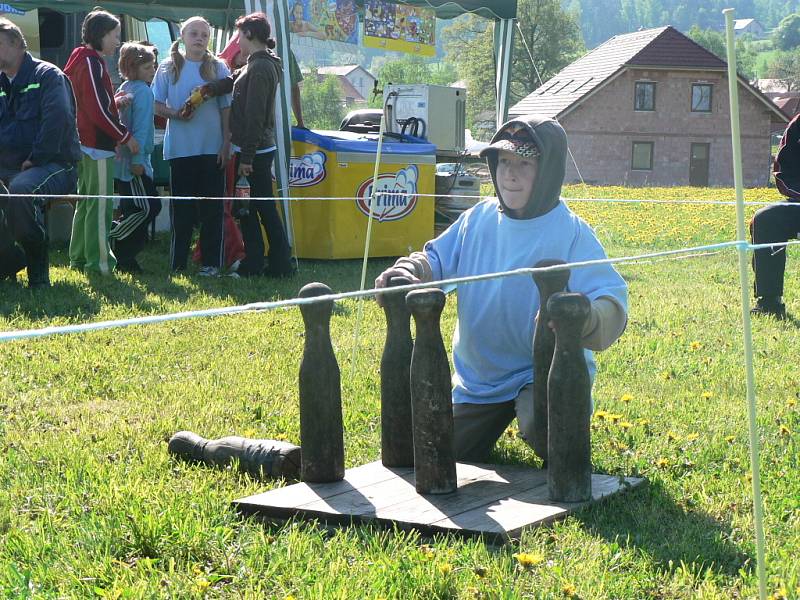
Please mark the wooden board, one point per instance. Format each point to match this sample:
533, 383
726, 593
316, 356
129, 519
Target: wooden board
493, 501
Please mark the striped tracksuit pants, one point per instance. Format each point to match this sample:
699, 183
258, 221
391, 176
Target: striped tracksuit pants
129, 234
89, 247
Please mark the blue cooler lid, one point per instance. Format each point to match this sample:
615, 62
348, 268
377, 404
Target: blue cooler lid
348, 141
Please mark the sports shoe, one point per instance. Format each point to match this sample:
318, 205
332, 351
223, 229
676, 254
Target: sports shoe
769, 307
208, 272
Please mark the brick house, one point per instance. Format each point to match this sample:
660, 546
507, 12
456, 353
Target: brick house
651, 108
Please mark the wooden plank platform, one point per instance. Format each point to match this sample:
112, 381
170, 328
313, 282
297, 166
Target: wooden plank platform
493, 501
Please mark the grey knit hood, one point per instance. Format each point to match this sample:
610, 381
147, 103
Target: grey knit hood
551, 141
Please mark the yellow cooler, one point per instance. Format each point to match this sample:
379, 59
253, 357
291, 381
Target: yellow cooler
328, 165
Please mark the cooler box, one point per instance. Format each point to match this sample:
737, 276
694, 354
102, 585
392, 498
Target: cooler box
341, 164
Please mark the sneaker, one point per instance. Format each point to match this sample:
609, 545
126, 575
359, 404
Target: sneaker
208, 272
769, 307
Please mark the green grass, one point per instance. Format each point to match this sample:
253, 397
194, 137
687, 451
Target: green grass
92, 506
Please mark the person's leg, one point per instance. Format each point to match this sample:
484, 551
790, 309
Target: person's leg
182, 212
280, 260
26, 214
250, 224
12, 257
99, 212
774, 224
128, 234
477, 427
211, 181
77, 240
523, 405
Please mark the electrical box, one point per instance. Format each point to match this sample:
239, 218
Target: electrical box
436, 113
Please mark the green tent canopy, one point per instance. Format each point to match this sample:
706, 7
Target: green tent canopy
222, 13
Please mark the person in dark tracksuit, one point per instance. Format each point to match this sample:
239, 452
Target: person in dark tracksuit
133, 173
777, 223
39, 152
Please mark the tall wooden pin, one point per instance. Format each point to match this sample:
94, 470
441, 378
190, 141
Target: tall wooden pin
321, 431
397, 440
431, 397
569, 471
544, 341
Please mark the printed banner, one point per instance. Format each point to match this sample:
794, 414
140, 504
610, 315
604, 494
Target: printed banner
331, 20
399, 27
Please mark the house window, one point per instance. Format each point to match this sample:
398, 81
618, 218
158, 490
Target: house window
644, 97
642, 156
701, 97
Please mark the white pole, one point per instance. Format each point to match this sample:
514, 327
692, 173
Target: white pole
758, 510
372, 198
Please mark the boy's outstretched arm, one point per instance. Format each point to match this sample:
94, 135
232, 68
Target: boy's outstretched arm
605, 324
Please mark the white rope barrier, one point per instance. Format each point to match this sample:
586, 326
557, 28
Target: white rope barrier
420, 195
263, 306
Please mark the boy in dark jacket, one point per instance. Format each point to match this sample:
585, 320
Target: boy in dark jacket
38, 152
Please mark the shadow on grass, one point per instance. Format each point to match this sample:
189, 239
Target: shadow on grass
61, 300
647, 518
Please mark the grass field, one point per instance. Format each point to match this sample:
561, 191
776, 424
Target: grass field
91, 506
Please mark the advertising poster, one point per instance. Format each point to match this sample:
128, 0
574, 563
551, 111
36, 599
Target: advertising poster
399, 27
331, 20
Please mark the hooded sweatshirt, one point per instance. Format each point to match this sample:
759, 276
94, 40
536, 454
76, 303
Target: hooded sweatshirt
493, 340
99, 125
252, 119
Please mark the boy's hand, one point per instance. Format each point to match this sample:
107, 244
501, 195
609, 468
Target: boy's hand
382, 280
137, 170
245, 169
133, 145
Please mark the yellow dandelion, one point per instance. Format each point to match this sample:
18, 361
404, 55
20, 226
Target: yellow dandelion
706, 395
662, 463
625, 424
672, 436
197, 570
427, 551
569, 590
644, 422
445, 568
780, 594
614, 417
202, 584
529, 560
730, 438
695, 345
791, 402
626, 397
601, 415
784, 430
692, 437
290, 597
511, 431
666, 375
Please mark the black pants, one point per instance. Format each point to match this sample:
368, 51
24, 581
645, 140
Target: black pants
129, 233
12, 257
776, 223
198, 176
264, 212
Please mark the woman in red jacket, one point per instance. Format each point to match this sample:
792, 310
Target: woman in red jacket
100, 131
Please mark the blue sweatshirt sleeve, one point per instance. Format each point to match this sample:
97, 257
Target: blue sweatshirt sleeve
57, 117
142, 123
444, 252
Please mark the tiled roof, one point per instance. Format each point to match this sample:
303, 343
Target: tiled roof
662, 47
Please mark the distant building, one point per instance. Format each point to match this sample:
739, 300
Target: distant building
358, 77
749, 26
651, 108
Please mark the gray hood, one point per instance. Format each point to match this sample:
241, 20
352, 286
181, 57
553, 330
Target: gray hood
551, 140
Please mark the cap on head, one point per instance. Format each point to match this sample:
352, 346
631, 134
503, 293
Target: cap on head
514, 138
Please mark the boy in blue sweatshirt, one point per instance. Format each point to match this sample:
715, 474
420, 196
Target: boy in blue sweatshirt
133, 173
526, 223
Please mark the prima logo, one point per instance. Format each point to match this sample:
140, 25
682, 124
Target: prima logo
395, 196
307, 170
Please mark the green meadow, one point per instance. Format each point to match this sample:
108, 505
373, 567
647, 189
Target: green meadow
92, 506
